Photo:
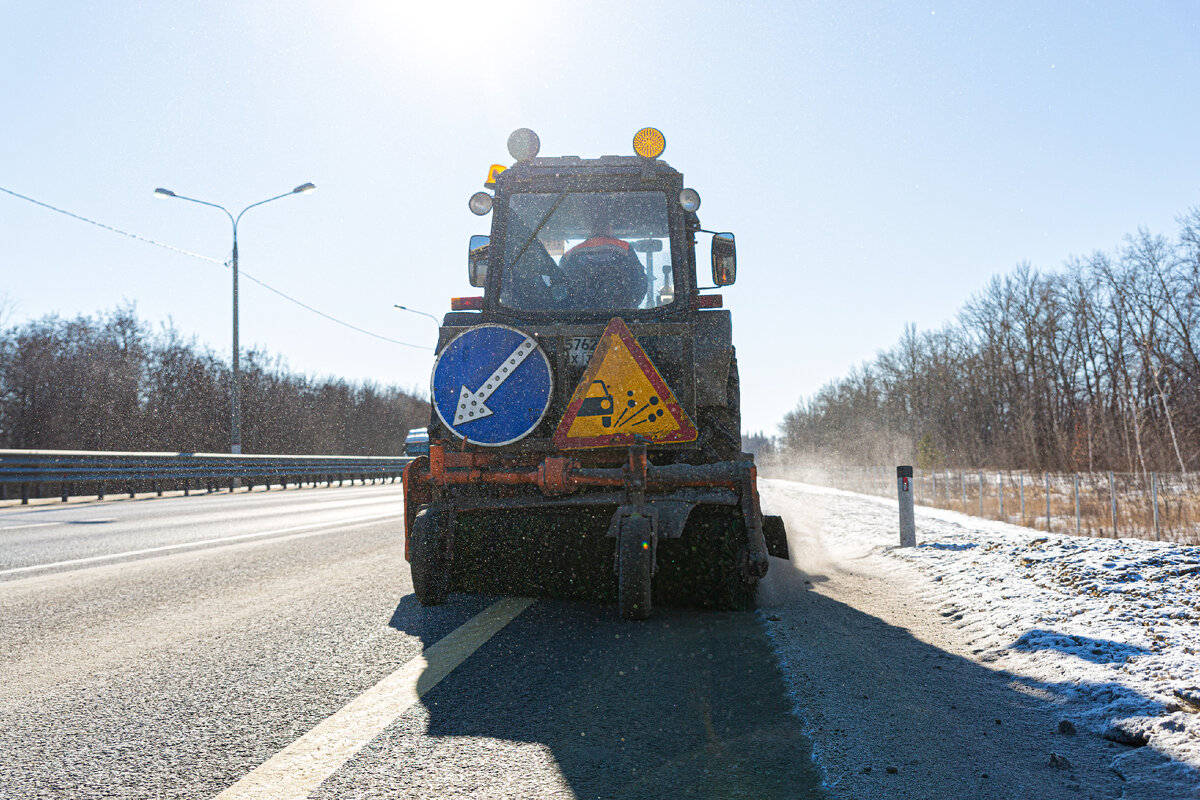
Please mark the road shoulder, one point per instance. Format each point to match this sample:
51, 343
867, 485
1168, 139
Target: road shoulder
896, 704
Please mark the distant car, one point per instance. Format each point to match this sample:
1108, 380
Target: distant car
417, 442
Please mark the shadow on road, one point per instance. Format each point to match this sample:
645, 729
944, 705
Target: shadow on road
932, 714
692, 704
686, 704
431, 624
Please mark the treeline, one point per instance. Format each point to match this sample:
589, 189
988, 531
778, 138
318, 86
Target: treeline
1095, 367
112, 383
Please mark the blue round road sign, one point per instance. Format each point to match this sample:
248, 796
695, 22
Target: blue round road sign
491, 385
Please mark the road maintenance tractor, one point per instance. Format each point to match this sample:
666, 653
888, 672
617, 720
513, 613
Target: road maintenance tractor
585, 432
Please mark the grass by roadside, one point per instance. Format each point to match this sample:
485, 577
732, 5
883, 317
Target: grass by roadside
1156, 506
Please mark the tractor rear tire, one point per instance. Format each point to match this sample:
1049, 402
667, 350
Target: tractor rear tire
430, 553
720, 427
635, 565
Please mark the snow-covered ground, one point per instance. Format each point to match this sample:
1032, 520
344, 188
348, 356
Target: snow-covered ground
1103, 633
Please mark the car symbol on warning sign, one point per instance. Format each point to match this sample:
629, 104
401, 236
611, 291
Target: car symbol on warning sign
622, 396
600, 405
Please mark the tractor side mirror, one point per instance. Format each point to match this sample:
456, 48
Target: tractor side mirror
724, 259
477, 255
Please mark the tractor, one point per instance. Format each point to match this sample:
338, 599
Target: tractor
585, 430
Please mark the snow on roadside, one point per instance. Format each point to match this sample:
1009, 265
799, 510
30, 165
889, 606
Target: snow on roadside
1106, 628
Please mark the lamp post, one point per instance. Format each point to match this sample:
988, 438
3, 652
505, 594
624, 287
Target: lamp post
422, 313
236, 390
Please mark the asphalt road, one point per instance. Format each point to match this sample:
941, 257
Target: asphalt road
269, 645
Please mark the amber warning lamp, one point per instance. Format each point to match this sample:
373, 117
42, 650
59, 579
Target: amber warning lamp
649, 143
493, 172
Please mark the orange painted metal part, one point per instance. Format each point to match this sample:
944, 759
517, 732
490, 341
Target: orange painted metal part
554, 475
425, 479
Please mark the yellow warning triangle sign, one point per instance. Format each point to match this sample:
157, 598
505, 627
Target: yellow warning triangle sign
622, 396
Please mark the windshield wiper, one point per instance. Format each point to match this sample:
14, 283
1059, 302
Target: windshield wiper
532, 236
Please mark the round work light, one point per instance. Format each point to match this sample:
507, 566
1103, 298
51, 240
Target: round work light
480, 203
523, 144
690, 200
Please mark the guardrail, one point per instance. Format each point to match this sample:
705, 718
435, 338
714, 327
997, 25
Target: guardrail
30, 473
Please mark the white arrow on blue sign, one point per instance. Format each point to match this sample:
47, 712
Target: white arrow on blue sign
491, 385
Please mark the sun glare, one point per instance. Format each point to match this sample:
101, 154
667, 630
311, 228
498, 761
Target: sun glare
454, 36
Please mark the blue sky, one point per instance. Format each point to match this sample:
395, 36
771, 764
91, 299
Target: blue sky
878, 161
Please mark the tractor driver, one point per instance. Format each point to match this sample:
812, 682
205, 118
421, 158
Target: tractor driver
604, 272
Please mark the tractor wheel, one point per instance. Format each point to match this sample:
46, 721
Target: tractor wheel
430, 552
635, 563
720, 427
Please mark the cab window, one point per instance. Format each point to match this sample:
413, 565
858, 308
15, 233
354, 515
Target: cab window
587, 251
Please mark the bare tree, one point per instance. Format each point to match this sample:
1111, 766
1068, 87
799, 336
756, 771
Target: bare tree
1096, 366
109, 383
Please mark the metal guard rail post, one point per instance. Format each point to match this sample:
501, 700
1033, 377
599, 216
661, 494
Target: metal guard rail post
73, 472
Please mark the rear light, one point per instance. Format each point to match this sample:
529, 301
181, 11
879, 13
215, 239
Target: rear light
707, 301
466, 303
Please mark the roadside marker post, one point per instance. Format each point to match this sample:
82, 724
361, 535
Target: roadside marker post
1154, 497
1075, 481
1000, 492
1112, 499
908, 523
1021, 487
1049, 521
981, 493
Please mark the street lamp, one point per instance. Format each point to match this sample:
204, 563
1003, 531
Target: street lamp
436, 321
236, 391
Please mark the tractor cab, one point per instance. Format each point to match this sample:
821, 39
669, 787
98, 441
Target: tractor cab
576, 238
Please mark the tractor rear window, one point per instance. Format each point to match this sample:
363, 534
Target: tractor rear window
587, 251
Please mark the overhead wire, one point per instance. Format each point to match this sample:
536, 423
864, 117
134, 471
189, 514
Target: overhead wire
111, 228
226, 264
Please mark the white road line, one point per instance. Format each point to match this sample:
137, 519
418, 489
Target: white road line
111, 556
296, 771
31, 525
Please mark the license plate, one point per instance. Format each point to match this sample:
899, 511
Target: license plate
580, 349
